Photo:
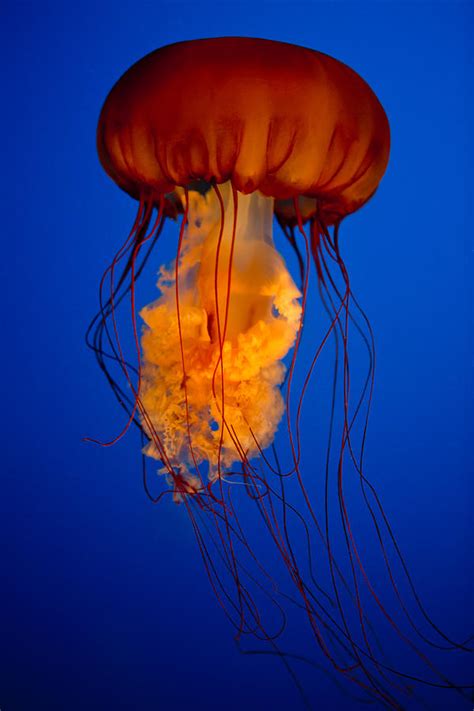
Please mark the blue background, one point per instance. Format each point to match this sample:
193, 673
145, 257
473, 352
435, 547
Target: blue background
104, 602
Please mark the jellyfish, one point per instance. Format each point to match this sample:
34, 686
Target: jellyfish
222, 136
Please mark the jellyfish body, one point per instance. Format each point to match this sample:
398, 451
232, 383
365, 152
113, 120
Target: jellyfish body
229, 132
267, 120
284, 120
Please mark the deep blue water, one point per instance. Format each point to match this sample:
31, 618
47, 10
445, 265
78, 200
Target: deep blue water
104, 600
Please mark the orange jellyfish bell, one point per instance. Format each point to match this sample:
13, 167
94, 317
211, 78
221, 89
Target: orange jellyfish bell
268, 116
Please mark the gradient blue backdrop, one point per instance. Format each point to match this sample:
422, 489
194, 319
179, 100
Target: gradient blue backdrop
104, 603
